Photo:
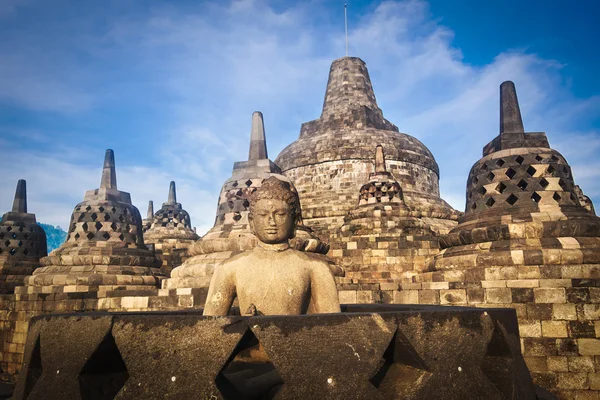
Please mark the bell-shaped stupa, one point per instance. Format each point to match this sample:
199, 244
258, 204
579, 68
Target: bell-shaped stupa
521, 193
22, 243
382, 240
147, 222
104, 248
527, 241
171, 232
231, 234
332, 157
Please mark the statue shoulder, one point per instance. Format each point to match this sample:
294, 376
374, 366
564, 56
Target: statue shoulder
240, 258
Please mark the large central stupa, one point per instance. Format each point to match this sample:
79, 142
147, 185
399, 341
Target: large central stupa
332, 158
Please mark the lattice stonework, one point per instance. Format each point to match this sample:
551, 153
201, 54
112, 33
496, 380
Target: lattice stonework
21, 240
172, 218
112, 222
234, 200
526, 180
380, 192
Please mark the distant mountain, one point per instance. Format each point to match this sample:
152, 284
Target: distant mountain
54, 235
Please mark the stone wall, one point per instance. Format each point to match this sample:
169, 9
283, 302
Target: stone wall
17, 310
329, 190
362, 353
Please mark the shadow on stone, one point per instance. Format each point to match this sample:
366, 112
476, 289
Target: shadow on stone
105, 372
401, 372
497, 364
249, 373
34, 372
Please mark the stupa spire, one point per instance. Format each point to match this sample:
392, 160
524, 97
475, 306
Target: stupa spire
20, 202
109, 175
172, 199
258, 143
150, 213
379, 159
510, 114
349, 87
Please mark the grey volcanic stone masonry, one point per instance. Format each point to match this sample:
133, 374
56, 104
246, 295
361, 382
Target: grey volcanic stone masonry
332, 157
372, 352
528, 242
22, 243
171, 232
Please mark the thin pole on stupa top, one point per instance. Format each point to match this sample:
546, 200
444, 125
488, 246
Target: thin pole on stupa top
346, 26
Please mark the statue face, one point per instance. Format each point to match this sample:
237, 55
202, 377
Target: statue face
272, 221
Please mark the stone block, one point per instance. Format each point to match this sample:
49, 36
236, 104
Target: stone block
572, 380
556, 329
522, 295
523, 283
498, 295
539, 311
564, 312
581, 364
536, 363
555, 283
456, 296
582, 329
590, 311
530, 328
589, 347
567, 347
549, 295
558, 363
364, 296
539, 346
347, 296
493, 284
578, 295
435, 285
475, 295
429, 297
594, 380
406, 297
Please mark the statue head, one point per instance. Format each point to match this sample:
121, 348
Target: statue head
274, 211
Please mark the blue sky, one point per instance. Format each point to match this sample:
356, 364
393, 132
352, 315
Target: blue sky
171, 86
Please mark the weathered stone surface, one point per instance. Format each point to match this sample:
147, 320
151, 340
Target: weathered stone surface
22, 243
331, 158
530, 241
171, 232
367, 351
103, 244
382, 239
231, 234
76, 376
273, 279
189, 352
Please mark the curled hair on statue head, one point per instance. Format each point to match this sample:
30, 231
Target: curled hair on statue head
274, 188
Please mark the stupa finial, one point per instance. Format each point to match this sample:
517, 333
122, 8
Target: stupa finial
150, 214
510, 114
172, 194
109, 175
20, 203
379, 159
348, 88
258, 143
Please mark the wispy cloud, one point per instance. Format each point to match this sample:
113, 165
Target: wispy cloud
172, 87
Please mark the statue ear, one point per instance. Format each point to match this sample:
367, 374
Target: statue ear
251, 221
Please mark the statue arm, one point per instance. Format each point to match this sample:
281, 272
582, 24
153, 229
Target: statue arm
221, 292
324, 294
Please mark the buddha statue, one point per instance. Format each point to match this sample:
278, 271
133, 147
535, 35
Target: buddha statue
273, 278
